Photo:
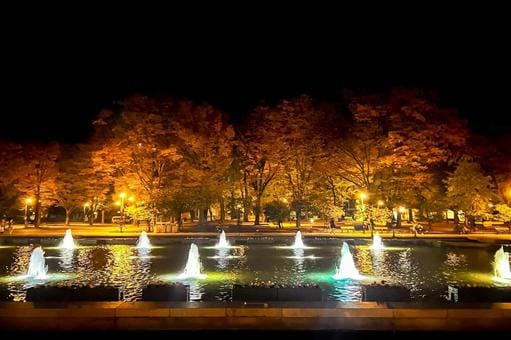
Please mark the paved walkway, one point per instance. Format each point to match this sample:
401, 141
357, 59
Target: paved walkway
109, 230
236, 316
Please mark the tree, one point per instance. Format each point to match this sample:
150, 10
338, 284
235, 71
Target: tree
260, 152
379, 215
303, 138
468, 189
35, 175
180, 202
329, 196
395, 140
138, 149
70, 181
504, 212
277, 211
204, 140
138, 213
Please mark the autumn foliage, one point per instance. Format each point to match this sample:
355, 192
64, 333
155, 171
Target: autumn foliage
176, 156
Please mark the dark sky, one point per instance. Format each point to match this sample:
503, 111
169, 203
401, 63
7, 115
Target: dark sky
60, 106
55, 77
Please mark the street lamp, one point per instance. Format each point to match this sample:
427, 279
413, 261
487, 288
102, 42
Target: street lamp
85, 206
27, 202
363, 195
122, 195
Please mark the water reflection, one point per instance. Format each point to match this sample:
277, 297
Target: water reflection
19, 265
453, 262
196, 289
426, 270
346, 290
222, 258
298, 260
66, 260
144, 254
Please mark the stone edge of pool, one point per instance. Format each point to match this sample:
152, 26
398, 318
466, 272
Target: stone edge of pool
313, 239
357, 316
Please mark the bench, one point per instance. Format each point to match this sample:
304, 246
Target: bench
166, 227
347, 228
502, 228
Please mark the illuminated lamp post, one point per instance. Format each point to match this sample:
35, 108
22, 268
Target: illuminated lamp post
85, 206
363, 195
122, 195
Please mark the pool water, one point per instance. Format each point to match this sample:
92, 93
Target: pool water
426, 270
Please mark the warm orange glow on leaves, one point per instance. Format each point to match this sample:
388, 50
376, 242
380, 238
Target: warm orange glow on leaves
176, 156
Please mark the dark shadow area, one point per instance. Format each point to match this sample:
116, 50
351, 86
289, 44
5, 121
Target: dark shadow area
258, 334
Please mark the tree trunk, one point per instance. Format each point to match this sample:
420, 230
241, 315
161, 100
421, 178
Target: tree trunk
179, 220
245, 198
257, 209
102, 216
68, 212
332, 188
154, 220
222, 210
37, 211
245, 214
192, 215
203, 215
298, 216
91, 216
398, 222
410, 215
429, 219
210, 214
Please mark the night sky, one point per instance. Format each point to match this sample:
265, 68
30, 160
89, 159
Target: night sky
60, 106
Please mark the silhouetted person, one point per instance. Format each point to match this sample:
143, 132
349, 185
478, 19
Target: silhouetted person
332, 223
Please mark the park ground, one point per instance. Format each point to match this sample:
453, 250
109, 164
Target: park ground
438, 231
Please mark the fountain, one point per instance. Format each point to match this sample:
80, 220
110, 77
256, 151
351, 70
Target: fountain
37, 268
346, 269
377, 242
67, 242
143, 241
193, 265
222, 242
298, 240
501, 265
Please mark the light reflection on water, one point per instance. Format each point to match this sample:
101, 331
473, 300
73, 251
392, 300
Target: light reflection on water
425, 270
